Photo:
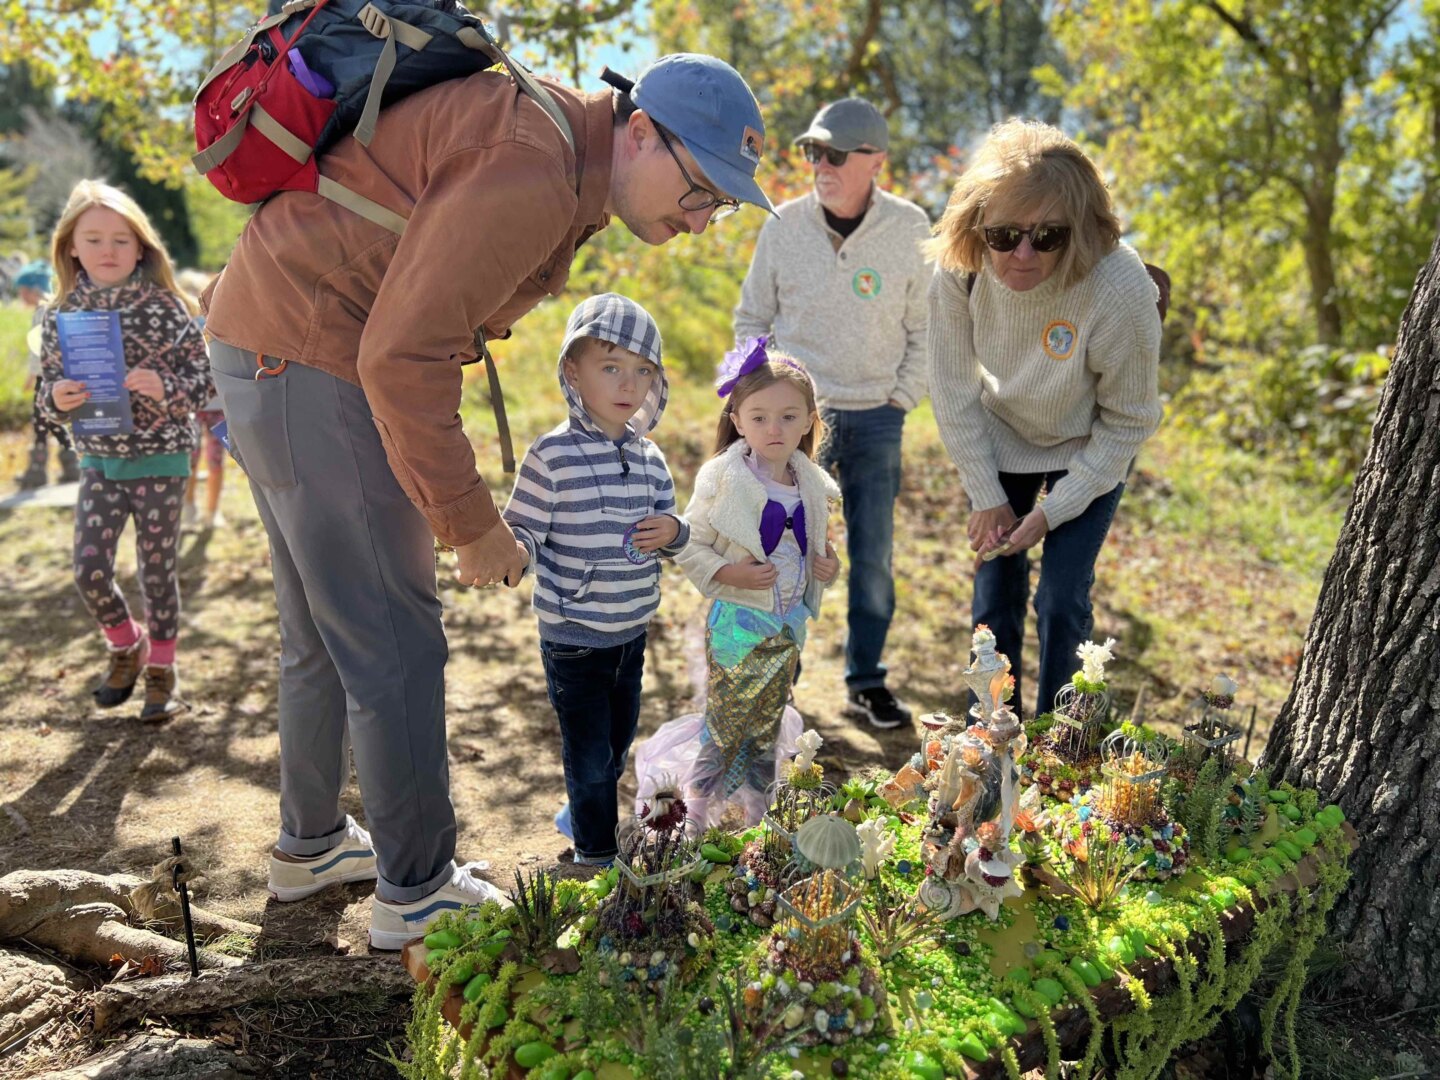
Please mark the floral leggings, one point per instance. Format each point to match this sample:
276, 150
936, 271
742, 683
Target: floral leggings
100, 515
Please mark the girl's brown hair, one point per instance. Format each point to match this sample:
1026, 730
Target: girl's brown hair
154, 264
1028, 166
773, 371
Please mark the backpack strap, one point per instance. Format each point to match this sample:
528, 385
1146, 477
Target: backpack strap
497, 403
390, 30
474, 39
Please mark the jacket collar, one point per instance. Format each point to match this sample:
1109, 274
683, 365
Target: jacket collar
594, 161
739, 498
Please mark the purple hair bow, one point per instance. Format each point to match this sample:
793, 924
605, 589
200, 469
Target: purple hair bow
741, 362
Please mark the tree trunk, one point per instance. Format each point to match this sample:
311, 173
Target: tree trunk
1362, 723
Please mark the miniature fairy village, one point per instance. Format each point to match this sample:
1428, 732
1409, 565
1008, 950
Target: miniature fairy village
1013, 896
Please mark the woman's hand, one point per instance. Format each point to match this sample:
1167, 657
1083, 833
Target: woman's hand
69, 394
751, 575
1028, 533
144, 381
985, 527
827, 565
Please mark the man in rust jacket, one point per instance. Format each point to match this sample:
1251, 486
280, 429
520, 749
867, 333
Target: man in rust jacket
337, 353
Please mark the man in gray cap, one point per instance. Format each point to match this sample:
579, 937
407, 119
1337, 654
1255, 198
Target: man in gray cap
339, 341
839, 280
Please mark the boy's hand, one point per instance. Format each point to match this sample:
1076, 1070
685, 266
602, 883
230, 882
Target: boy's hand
827, 565
751, 575
495, 557
145, 381
655, 532
69, 394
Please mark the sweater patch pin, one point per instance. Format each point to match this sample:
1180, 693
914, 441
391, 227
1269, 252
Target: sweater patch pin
866, 283
1059, 340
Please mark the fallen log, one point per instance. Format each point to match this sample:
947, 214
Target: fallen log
28, 897
32, 993
275, 980
157, 1057
96, 933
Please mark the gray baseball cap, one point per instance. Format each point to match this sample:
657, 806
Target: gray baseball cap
848, 124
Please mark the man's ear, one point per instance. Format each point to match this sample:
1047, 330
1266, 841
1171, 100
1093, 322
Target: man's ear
640, 130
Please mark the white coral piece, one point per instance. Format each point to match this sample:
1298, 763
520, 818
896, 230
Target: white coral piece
809, 744
1093, 659
877, 844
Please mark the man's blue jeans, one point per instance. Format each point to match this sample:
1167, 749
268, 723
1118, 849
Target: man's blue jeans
1064, 618
862, 448
596, 695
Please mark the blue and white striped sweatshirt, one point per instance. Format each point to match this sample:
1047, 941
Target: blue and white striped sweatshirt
575, 495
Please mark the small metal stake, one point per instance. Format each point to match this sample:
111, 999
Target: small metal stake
1250, 731
184, 891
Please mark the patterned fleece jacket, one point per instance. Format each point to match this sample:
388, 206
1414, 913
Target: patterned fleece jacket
158, 333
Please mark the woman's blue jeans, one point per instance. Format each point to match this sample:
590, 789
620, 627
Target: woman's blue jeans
1063, 614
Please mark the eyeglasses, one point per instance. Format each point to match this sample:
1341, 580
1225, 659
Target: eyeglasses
698, 197
1043, 238
815, 151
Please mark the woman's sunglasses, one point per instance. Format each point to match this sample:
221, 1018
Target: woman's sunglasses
1043, 238
814, 152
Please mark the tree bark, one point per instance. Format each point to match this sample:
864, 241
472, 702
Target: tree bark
162, 1057
1362, 723
275, 980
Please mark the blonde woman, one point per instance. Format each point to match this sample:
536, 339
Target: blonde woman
108, 258
1044, 351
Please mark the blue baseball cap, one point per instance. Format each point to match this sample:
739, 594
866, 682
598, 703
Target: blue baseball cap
711, 110
34, 275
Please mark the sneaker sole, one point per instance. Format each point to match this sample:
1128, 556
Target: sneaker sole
391, 941
858, 712
289, 894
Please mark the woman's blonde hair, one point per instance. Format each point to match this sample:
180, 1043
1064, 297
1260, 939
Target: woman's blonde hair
1025, 166
775, 370
154, 264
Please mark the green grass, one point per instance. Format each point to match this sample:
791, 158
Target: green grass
15, 400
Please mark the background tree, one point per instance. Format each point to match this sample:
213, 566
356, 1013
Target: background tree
1266, 143
1362, 723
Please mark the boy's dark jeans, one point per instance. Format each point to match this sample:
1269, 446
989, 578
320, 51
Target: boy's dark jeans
1063, 614
596, 695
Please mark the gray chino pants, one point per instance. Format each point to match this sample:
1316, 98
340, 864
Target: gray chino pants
361, 642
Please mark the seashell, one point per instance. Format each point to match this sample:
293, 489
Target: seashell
828, 841
793, 1015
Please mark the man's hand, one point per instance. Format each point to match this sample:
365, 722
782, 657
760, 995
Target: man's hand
495, 557
1029, 532
827, 565
69, 394
145, 381
985, 527
655, 532
751, 575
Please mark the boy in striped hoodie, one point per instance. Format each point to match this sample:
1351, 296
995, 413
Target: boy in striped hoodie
594, 506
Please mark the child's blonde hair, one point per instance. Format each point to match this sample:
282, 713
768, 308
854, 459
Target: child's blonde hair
154, 264
779, 368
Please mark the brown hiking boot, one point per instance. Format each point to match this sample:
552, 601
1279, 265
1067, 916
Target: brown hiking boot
124, 673
162, 695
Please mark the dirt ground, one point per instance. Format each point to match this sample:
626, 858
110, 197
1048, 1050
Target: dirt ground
96, 790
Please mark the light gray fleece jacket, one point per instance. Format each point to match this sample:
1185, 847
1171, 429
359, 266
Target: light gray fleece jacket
855, 315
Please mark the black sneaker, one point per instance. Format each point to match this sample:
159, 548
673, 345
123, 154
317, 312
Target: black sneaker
879, 706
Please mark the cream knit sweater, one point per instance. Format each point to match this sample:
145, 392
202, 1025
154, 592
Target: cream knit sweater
853, 315
1046, 379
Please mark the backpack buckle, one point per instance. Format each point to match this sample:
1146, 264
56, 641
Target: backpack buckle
292, 6
375, 20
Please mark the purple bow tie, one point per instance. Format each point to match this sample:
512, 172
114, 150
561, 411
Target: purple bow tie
774, 522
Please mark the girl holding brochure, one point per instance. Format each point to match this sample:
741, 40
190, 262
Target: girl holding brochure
124, 365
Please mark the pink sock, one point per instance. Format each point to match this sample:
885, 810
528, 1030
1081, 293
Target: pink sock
124, 635
162, 653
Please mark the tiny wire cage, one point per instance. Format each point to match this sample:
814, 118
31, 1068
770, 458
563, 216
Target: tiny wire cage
1079, 721
1133, 769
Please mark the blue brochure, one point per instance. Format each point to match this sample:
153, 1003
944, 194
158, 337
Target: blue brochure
93, 352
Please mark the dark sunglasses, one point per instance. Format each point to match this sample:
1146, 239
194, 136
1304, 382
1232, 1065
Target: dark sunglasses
698, 197
1043, 238
814, 152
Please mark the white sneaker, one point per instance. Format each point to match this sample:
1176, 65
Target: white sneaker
188, 516
353, 859
392, 925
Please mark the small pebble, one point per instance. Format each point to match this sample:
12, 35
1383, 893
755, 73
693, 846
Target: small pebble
1153, 897
1032, 950
963, 948
937, 982
838, 1067
902, 867
1062, 923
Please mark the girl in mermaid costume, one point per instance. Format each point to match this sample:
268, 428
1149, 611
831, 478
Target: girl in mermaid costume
758, 548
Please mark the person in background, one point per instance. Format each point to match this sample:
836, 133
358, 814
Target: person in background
194, 282
32, 283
